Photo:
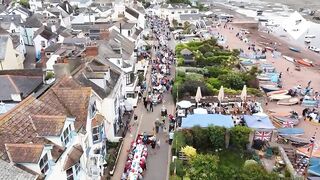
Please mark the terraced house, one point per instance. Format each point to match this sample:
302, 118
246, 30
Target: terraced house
57, 133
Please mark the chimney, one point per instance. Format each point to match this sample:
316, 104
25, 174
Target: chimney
120, 28
61, 69
92, 50
104, 35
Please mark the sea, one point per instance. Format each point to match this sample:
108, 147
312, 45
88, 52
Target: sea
284, 20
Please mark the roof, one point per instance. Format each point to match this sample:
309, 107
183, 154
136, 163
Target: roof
45, 32
3, 31
73, 156
47, 125
205, 120
87, 27
186, 52
97, 120
126, 25
16, 19
65, 5
186, 17
24, 85
24, 153
15, 37
258, 121
3, 46
75, 40
132, 12
65, 98
140, 9
53, 47
8, 171
34, 21
23, 72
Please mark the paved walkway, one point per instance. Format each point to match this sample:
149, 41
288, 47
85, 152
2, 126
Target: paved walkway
158, 159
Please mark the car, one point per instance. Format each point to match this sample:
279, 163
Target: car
315, 49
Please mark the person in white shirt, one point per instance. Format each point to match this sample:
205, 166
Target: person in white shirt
171, 135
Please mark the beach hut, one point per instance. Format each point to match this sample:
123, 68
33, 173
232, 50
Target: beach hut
261, 124
205, 120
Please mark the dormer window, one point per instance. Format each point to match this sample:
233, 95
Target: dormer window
44, 164
66, 135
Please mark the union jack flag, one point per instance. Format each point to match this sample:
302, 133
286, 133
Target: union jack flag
287, 124
263, 135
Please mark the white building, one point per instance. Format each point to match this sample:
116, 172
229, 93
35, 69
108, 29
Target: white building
173, 11
43, 38
10, 58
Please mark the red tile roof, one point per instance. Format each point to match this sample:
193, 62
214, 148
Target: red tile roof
97, 120
48, 125
16, 126
24, 153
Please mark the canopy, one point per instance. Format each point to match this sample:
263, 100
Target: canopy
205, 120
258, 121
290, 131
184, 104
200, 111
314, 167
198, 95
305, 151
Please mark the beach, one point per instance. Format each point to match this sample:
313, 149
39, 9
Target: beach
290, 79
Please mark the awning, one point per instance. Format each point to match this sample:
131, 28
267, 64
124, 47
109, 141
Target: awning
73, 157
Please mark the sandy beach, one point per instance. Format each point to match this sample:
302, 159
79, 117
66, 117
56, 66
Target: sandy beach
290, 79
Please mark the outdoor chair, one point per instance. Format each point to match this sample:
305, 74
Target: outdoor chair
268, 153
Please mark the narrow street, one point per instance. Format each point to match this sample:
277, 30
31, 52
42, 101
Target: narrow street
158, 159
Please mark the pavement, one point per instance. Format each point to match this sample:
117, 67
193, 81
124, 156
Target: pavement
30, 61
158, 159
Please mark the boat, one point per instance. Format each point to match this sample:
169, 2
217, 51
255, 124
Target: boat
314, 49
263, 19
279, 97
282, 91
294, 49
269, 48
288, 102
269, 88
263, 78
259, 12
247, 62
282, 119
309, 102
288, 58
310, 36
295, 140
291, 131
307, 41
305, 62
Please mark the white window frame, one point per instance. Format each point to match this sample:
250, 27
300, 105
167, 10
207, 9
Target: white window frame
45, 163
66, 138
98, 133
93, 109
43, 44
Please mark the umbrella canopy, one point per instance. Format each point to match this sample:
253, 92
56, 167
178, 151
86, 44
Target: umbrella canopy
184, 104
221, 94
198, 95
200, 111
243, 95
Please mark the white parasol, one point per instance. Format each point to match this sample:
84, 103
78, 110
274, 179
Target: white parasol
198, 95
221, 94
184, 104
200, 111
243, 95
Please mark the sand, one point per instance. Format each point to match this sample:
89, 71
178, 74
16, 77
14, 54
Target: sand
290, 79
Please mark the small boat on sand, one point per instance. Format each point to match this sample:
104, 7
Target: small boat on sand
269, 88
294, 49
288, 58
282, 91
291, 131
307, 41
263, 78
310, 36
288, 102
305, 62
279, 97
269, 48
283, 119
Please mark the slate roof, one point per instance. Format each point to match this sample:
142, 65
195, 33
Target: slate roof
65, 98
132, 12
125, 25
24, 153
45, 32
11, 84
23, 72
46, 125
15, 37
186, 17
87, 27
3, 31
8, 171
53, 47
16, 19
34, 21
65, 5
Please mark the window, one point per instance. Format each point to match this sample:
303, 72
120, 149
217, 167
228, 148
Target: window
43, 44
66, 135
69, 174
129, 33
96, 134
186, 11
128, 79
13, 30
73, 171
172, 12
92, 109
44, 165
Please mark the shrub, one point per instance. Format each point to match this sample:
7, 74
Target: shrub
232, 80
189, 151
194, 77
200, 138
214, 82
217, 136
239, 136
178, 142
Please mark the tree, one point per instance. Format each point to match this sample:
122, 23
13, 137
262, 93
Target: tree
217, 136
200, 137
239, 136
189, 151
203, 166
232, 80
24, 3
256, 172
178, 1
174, 22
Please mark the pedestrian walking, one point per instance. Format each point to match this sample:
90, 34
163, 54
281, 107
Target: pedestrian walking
171, 134
288, 69
151, 107
158, 144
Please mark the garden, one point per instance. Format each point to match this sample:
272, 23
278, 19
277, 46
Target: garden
215, 153
213, 67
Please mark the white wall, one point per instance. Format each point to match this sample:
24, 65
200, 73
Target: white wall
51, 62
37, 44
27, 35
11, 61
